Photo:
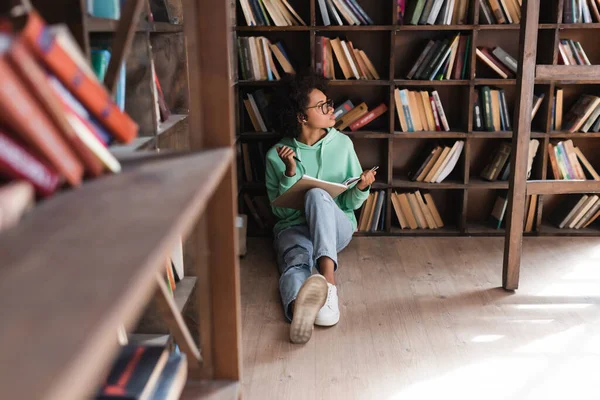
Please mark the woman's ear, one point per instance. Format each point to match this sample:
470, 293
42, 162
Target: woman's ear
302, 118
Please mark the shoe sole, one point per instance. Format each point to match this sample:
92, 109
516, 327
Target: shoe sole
310, 299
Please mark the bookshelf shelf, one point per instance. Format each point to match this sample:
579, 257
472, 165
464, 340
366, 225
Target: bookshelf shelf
258, 83
398, 183
494, 82
172, 122
491, 135
118, 223
478, 183
547, 229
273, 28
106, 25
433, 83
481, 229
594, 25
358, 82
401, 28
444, 231
498, 27
569, 135
429, 135
353, 28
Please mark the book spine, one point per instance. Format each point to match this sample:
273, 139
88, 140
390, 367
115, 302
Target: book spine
21, 113
35, 79
409, 121
324, 14
18, 163
477, 117
420, 60
376, 112
487, 109
436, 116
343, 109
91, 93
440, 108
505, 112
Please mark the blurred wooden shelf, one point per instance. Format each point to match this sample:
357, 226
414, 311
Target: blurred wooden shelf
118, 226
444, 82
106, 25
444, 231
430, 135
479, 183
400, 183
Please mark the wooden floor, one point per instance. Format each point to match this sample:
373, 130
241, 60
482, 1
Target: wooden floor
425, 318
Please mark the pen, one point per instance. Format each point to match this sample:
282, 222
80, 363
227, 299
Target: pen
297, 159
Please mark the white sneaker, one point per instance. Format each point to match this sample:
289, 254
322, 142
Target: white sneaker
329, 314
310, 299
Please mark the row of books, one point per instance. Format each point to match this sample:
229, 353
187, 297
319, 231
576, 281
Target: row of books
432, 12
491, 112
257, 57
499, 11
498, 213
372, 213
416, 211
576, 211
581, 11
145, 372
498, 166
59, 118
566, 162
353, 62
270, 13
339, 11
572, 53
420, 111
498, 60
347, 115
443, 59
437, 162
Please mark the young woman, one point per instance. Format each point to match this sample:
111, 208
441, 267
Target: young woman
311, 237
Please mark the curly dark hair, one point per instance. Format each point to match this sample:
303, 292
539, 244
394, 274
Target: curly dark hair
291, 98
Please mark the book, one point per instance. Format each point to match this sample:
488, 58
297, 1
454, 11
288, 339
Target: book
49, 49
172, 380
134, 373
294, 196
367, 118
19, 163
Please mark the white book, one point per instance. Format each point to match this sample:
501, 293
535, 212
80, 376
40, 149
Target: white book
350, 59
334, 12
450, 162
440, 110
177, 258
435, 10
294, 196
324, 14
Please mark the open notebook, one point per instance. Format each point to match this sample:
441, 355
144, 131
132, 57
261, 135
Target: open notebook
294, 196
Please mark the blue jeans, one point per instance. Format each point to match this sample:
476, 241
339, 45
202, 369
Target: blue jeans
327, 231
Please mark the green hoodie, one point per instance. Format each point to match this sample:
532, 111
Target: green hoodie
332, 159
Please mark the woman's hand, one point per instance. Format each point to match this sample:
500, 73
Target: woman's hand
287, 156
366, 179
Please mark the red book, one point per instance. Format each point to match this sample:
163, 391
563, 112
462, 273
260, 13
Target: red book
35, 79
368, 117
18, 163
92, 94
22, 114
496, 62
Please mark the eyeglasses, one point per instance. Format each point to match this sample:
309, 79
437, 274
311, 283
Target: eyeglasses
325, 107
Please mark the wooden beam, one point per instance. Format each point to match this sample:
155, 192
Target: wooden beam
174, 320
563, 187
520, 143
568, 73
121, 44
209, 32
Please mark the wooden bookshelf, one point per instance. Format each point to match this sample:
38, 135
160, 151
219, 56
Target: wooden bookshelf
107, 241
393, 49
